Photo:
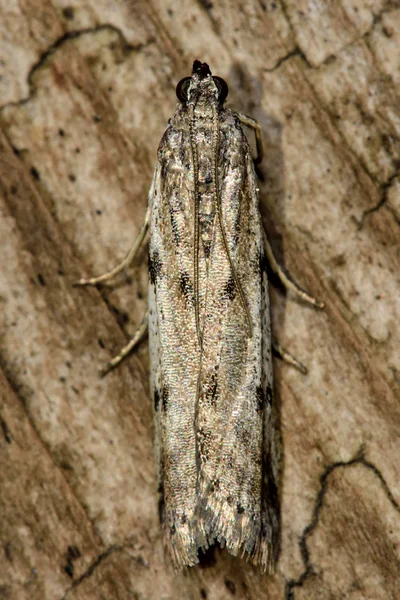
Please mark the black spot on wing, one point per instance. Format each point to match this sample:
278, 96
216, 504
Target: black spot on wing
155, 266
186, 286
211, 389
229, 290
214, 485
164, 397
174, 225
236, 229
240, 508
207, 248
241, 476
203, 444
182, 152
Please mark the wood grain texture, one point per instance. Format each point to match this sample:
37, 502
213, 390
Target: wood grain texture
86, 91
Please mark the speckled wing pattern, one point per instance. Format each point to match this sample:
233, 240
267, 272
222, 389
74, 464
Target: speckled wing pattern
216, 441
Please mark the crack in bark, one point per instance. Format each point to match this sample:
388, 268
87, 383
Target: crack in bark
391, 5
359, 459
92, 567
127, 47
207, 6
121, 317
295, 52
298, 52
66, 37
5, 431
385, 187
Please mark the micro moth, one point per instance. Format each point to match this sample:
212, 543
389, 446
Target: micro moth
218, 452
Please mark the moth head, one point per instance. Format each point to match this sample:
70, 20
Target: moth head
202, 86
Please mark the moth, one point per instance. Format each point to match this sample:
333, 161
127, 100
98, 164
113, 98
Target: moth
217, 445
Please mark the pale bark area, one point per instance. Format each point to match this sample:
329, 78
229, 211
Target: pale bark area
86, 90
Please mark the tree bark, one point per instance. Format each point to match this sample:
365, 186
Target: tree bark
86, 91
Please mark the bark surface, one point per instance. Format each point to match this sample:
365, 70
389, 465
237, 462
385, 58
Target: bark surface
86, 91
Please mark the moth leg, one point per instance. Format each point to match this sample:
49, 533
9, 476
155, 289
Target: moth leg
255, 125
136, 338
287, 357
126, 261
289, 285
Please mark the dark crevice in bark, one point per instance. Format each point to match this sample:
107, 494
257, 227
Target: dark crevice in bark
390, 6
382, 201
91, 569
66, 37
309, 571
295, 52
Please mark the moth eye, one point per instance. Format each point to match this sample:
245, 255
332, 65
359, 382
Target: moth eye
182, 89
222, 87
